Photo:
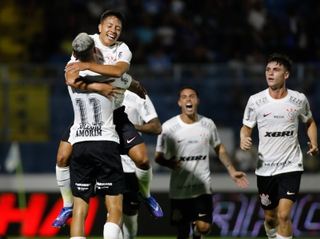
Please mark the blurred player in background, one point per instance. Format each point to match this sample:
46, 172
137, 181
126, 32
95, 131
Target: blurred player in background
184, 146
144, 117
277, 111
116, 57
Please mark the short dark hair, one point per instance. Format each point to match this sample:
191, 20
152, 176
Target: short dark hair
281, 59
114, 13
188, 87
83, 46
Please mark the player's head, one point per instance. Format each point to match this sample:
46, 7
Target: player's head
188, 100
281, 59
277, 70
110, 27
83, 47
112, 13
190, 88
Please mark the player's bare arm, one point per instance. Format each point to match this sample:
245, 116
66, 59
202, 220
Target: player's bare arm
153, 127
136, 88
245, 137
116, 70
312, 134
78, 82
238, 176
171, 163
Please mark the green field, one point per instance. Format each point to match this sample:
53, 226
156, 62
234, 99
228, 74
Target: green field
150, 237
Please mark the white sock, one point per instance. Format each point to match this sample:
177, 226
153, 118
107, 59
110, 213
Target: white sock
144, 180
281, 237
63, 181
195, 231
111, 230
271, 233
130, 226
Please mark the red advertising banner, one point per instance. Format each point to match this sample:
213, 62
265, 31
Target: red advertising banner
235, 214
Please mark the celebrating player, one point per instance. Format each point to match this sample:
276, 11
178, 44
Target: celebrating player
277, 111
184, 146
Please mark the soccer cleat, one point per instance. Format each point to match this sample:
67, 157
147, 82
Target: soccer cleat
152, 205
64, 215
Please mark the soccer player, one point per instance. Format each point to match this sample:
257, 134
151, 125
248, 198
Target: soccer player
277, 111
116, 57
184, 146
95, 166
143, 115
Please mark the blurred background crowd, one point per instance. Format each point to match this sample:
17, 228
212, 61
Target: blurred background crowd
218, 46
166, 31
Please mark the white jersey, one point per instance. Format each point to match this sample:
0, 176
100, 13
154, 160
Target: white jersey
139, 111
93, 117
119, 52
110, 55
277, 121
190, 144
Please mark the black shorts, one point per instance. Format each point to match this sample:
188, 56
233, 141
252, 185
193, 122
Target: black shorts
129, 136
131, 189
96, 163
184, 211
273, 188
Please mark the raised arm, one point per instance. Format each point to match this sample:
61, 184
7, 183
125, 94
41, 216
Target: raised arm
116, 70
152, 127
78, 82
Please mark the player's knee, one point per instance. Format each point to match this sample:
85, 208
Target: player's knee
143, 163
204, 228
283, 216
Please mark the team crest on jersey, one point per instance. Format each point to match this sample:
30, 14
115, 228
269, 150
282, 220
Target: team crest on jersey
119, 55
176, 215
265, 200
292, 113
110, 60
204, 139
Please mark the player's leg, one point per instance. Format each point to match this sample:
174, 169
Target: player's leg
271, 222
268, 192
181, 216
108, 168
112, 226
183, 231
289, 185
202, 208
63, 181
139, 156
81, 207
83, 178
131, 205
143, 171
132, 144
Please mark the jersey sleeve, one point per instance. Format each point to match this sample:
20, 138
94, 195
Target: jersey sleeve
250, 116
306, 113
163, 142
215, 138
147, 111
124, 53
